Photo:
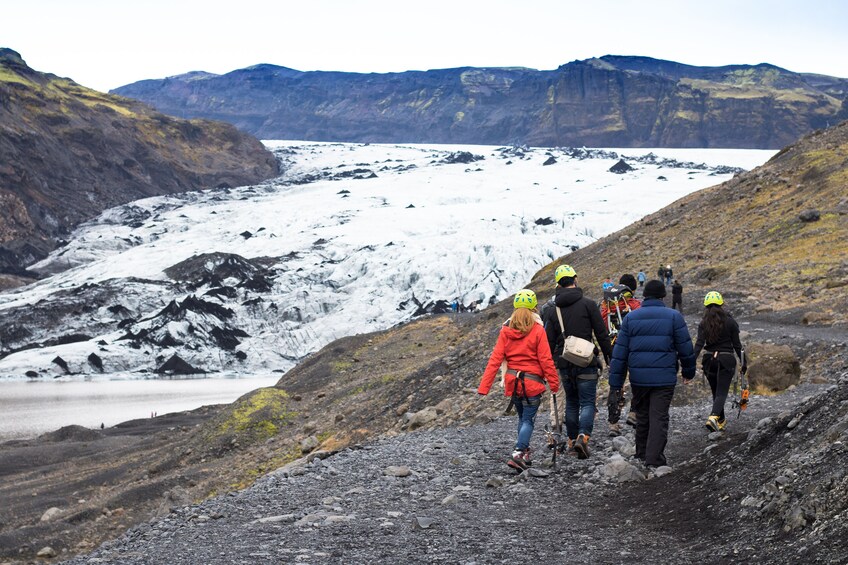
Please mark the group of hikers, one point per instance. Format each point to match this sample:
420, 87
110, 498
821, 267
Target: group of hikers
643, 341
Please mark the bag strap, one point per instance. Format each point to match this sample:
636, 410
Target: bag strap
559, 317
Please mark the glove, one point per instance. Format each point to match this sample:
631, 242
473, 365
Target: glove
744, 368
614, 395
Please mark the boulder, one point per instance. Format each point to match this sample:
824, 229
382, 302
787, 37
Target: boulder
51, 514
309, 444
46, 552
619, 470
809, 216
817, 318
773, 367
423, 417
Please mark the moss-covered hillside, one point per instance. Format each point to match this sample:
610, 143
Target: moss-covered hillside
775, 237
68, 152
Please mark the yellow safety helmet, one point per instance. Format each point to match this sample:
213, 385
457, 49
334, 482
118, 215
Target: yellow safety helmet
564, 271
713, 297
525, 298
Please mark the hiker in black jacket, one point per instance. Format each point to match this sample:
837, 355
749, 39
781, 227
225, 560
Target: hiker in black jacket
580, 318
718, 337
677, 296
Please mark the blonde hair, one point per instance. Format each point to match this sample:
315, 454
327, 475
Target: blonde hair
522, 320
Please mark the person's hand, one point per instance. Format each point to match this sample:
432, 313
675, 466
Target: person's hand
687, 381
744, 369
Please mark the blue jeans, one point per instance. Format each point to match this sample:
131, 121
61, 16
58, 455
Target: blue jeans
526, 410
579, 404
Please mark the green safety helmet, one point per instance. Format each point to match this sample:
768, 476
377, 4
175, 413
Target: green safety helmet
564, 271
525, 298
713, 297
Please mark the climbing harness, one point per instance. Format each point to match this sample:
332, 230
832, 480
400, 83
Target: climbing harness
519, 380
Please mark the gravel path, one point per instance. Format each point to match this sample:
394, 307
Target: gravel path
446, 496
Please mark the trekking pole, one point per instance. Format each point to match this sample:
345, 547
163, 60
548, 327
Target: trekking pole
554, 436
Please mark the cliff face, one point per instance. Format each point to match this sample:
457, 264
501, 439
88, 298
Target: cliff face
68, 152
612, 101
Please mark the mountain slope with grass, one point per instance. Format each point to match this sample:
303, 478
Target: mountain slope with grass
773, 239
68, 152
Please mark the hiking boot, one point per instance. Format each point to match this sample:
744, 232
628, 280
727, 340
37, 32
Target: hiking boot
614, 430
631, 418
713, 424
517, 461
581, 446
525, 456
722, 423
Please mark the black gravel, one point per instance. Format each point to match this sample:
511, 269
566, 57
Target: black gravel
460, 503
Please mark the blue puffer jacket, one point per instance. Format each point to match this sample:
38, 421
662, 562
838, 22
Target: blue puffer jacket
651, 341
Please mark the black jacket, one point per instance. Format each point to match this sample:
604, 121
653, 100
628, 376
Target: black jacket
677, 290
728, 343
581, 318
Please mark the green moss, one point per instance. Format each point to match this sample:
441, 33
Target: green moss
257, 416
339, 366
7, 75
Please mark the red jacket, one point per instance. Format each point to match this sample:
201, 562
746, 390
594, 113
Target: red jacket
523, 352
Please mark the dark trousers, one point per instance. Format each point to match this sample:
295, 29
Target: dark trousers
719, 373
652, 404
677, 303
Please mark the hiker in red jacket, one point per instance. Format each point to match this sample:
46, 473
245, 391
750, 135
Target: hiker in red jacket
616, 304
524, 345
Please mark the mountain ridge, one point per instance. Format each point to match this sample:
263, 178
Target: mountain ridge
68, 152
610, 101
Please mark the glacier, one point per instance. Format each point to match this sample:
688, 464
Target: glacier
351, 238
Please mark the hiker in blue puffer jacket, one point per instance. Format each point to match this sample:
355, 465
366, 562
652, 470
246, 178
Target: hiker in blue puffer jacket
652, 343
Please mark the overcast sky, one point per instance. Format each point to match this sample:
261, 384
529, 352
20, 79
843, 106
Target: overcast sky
104, 44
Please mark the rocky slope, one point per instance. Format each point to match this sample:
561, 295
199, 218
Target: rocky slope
68, 152
780, 491
772, 239
612, 101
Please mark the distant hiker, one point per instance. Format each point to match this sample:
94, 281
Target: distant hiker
661, 273
524, 346
641, 277
652, 342
607, 284
617, 303
677, 296
575, 315
102, 425
718, 336
669, 273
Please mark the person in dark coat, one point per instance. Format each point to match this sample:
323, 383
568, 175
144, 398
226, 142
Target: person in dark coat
677, 296
718, 337
652, 342
580, 318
